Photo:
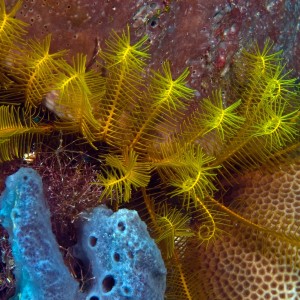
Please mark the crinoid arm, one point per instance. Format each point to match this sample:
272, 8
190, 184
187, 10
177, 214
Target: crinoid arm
16, 136
124, 63
127, 172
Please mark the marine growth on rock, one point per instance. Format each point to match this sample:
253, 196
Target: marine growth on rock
116, 129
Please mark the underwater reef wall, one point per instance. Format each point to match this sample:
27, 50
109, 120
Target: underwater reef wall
203, 35
190, 143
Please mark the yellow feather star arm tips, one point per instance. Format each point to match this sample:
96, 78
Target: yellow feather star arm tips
278, 87
225, 120
77, 96
125, 65
11, 32
188, 172
127, 172
172, 224
213, 116
277, 127
11, 29
258, 61
268, 105
36, 75
72, 80
166, 91
185, 168
265, 80
120, 51
266, 132
167, 96
16, 138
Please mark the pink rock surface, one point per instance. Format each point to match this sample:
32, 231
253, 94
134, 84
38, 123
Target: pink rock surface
202, 35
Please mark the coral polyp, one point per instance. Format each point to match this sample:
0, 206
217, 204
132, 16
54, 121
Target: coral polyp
139, 138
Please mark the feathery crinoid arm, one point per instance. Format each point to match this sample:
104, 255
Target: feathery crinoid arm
161, 107
276, 125
16, 136
171, 228
11, 32
35, 75
185, 277
250, 69
11, 28
186, 169
269, 106
76, 98
214, 118
195, 178
127, 171
171, 225
124, 64
179, 234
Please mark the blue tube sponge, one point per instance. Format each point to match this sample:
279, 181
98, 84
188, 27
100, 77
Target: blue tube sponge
40, 271
125, 261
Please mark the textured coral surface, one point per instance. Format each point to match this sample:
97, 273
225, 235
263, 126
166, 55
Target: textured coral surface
239, 266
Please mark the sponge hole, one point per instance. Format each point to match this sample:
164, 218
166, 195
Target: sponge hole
126, 290
121, 226
93, 241
130, 254
108, 283
116, 256
15, 214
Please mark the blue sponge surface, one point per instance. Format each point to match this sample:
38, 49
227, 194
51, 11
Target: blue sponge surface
125, 261
40, 271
